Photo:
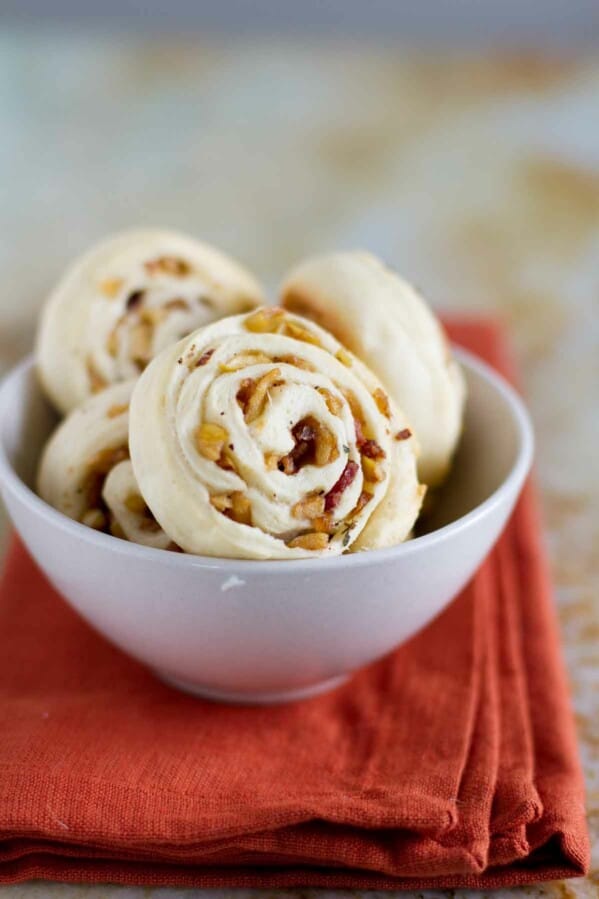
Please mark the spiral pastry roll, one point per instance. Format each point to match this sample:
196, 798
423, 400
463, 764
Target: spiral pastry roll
261, 437
126, 299
382, 319
86, 473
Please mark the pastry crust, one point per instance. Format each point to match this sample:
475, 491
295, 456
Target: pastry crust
126, 299
85, 471
260, 437
382, 319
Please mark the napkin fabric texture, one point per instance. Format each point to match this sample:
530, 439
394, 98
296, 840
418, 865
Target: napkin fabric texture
451, 763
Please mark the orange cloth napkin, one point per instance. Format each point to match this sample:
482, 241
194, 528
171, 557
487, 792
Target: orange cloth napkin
450, 763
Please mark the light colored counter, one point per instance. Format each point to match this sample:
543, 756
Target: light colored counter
478, 179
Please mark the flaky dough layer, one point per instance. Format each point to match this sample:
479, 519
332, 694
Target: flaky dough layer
261, 437
85, 471
127, 298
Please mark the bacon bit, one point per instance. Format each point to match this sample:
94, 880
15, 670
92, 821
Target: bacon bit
334, 404
210, 440
382, 401
304, 434
265, 320
314, 445
111, 286
333, 497
405, 434
204, 358
310, 507
117, 410
169, 265
304, 430
96, 381
257, 398
287, 464
94, 518
313, 541
372, 450
134, 299
344, 357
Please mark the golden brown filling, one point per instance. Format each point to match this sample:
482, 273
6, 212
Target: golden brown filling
314, 442
168, 265
136, 504
314, 445
117, 409
96, 381
97, 514
210, 440
147, 319
314, 541
382, 401
110, 287
275, 321
235, 505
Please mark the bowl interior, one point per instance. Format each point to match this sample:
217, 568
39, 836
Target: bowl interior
490, 445
26, 421
491, 442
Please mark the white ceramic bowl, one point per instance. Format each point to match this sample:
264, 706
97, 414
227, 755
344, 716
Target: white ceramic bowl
269, 631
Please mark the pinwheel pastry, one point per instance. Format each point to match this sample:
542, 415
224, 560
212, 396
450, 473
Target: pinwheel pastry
382, 319
261, 437
126, 299
85, 471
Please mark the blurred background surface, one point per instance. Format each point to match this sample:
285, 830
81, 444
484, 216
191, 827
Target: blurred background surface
459, 140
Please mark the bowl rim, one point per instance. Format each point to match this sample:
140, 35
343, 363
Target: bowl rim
512, 482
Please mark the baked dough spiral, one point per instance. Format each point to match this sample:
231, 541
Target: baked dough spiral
382, 319
261, 437
85, 471
118, 305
